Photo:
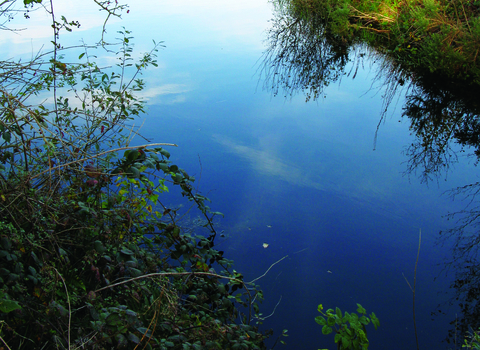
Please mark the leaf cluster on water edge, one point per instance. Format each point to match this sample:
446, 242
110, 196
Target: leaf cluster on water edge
90, 256
472, 340
350, 331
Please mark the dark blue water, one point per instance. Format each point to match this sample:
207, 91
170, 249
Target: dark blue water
303, 178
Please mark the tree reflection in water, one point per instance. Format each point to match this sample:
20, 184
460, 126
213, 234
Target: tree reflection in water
303, 56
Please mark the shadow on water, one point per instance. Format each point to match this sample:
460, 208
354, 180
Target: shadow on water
443, 116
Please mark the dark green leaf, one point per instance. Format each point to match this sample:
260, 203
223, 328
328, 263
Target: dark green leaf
339, 313
133, 172
7, 306
127, 251
134, 272
361, 310
6, 243
133, 338
6, 136
326, 330
113, 320
320, 320
165, 153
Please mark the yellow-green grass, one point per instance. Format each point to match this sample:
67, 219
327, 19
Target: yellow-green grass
441, 36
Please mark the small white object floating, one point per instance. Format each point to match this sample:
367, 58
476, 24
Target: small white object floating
329, 271
269, 226
265, 245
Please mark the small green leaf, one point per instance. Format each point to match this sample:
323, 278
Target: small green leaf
99, 246
326, 330
375, 320
121, 340
361, 310
162, 166
134, 272
339, 313
133, 338
6, 136
346, 343
165, 153
364, 320
6, 243
338, 337
127, 251
113, 319
145, 331
133, 172
7, 306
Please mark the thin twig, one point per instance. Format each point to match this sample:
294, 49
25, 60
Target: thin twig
101, 154
186, 274
69, 308
264, 318
414, 286
256, 279
4, 342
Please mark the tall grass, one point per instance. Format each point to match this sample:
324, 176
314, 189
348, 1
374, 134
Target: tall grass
438, 35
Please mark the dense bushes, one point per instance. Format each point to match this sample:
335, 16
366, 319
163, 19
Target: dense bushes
90, 257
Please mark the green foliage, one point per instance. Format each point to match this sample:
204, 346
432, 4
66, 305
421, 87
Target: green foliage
350, 331
440, 36
472, 341
90, 255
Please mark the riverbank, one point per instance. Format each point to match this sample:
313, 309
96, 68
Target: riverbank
439, 36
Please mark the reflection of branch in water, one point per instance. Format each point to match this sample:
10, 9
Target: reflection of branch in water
300, 251
264, 318
465, 234
278, 275
275, 263
465, 259
413, 289
302, 56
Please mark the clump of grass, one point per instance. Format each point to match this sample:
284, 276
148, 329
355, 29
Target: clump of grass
437, 35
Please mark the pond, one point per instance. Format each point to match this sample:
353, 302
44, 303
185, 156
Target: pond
315, 182
318, 193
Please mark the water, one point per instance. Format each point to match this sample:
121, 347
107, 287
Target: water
305, 178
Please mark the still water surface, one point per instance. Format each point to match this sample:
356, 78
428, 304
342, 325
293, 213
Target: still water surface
304, 178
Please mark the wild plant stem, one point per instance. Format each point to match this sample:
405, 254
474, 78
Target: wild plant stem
69, 307
414, 286
101, 154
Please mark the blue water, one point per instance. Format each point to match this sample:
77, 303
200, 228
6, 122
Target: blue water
304, 178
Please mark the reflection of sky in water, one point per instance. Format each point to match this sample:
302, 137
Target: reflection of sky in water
307, 170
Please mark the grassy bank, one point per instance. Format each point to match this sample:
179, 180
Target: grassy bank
442, 36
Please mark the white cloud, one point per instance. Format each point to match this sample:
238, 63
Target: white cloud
265, 162
167, 89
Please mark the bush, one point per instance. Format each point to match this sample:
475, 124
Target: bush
90, 257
